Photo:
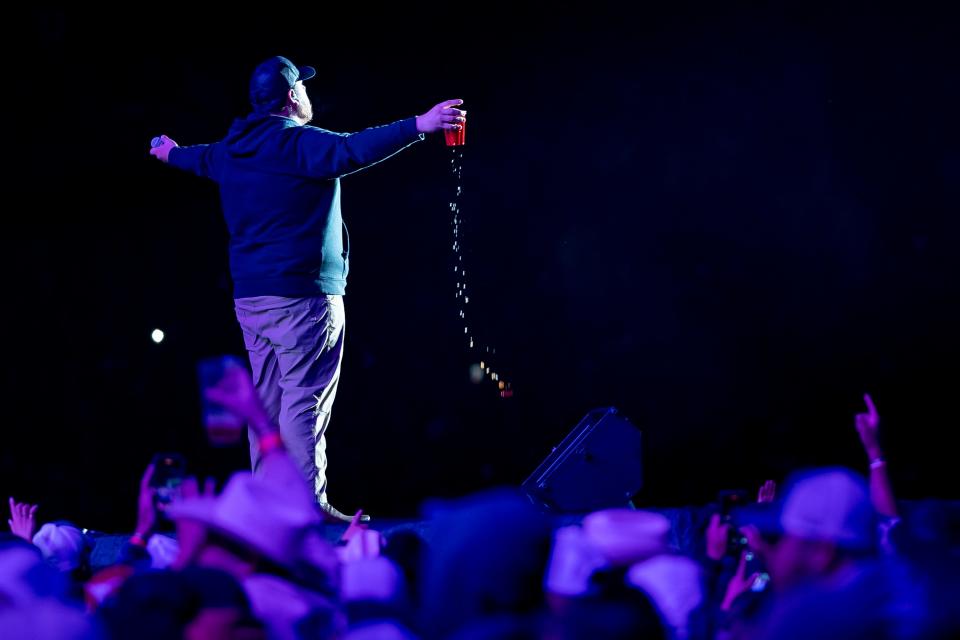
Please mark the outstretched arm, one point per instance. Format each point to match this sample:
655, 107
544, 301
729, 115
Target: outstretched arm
200, 159
881, 492
325, 154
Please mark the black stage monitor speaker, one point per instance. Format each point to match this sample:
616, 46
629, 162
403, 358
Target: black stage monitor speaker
597, 466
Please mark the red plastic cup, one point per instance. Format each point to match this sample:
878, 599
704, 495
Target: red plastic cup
456, 137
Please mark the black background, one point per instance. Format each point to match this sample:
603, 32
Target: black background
728, 222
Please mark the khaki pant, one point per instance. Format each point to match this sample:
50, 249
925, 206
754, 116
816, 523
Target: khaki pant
296, 347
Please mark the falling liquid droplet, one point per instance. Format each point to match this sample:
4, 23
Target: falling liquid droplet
456, 163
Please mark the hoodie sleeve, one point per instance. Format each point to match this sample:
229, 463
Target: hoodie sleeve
325, 154
200, 159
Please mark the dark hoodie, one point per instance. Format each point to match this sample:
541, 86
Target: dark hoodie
280, 192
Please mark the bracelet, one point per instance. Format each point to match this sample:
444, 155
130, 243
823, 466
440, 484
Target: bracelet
270, 442
877, 462
138, 540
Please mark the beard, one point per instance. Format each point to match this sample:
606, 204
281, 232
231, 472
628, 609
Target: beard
305, 110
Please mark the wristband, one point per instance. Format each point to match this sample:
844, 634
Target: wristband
270, 442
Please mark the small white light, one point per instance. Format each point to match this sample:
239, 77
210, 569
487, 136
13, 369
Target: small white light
476, 373
157, 336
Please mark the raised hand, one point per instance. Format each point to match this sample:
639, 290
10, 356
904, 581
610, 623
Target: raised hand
868, 426
146, 509
740, 583
22, 519
237, 393
717, 534
768, 491
755, 541
881, 491
191, 534
364, 543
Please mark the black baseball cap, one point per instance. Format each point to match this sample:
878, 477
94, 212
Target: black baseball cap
271, 81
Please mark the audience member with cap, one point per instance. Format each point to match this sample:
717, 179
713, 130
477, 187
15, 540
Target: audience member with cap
63, 546
823, 566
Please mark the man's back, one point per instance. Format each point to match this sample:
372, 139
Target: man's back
280, 192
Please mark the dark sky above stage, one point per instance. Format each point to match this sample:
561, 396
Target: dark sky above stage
727, 222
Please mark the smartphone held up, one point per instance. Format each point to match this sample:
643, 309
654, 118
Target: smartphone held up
222, 426
169, 471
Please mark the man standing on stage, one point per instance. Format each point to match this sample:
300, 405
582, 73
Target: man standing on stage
289, 249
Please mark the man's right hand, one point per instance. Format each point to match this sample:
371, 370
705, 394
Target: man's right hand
441, 116
162, 152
